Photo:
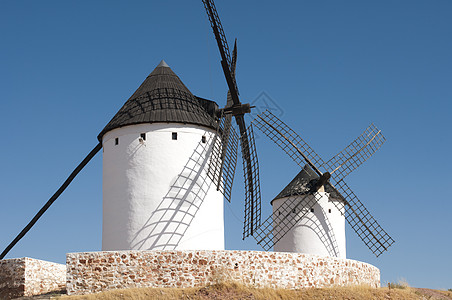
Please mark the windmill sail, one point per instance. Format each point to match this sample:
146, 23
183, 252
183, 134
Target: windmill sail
237, 109
223, 158
52, 199
362, 222
288, 140
356, 153
252, 214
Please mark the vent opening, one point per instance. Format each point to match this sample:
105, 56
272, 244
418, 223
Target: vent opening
174, 135
143, 136
203, 139
116, 141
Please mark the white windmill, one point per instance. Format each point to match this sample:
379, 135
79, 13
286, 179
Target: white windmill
156, 192
309, 214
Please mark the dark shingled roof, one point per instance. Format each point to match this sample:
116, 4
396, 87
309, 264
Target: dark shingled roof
163, 98
302, 184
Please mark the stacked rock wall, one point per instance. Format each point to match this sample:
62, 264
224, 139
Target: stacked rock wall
12, 278
92, 272
27, 277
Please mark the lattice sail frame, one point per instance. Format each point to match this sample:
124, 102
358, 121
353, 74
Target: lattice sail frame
276, 129
214, 20
359, 218
252, 215
356, 153
223, 158
362, 222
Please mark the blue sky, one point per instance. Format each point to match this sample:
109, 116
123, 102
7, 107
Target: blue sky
332, 67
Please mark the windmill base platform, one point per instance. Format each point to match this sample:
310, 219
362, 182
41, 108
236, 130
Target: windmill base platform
92, 272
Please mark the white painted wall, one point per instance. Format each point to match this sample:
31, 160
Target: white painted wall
319, 232
156, 193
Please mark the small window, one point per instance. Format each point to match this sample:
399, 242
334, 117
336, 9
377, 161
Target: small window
174, 135
312, 209
143, 136
294, 210
203, 139
116, 141
329, 210
279, 213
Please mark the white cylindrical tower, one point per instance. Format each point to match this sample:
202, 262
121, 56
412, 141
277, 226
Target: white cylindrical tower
321, 230
156, 192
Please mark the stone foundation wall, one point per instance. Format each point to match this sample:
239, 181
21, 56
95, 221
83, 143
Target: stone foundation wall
12, 278
92, 272
27, 277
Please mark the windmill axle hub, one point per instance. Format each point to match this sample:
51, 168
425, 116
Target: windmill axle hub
322, 180
238, 109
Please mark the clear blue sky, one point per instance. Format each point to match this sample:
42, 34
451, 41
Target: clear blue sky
333, 67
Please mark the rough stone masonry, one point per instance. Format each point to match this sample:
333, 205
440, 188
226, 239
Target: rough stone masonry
92, 272
27, 277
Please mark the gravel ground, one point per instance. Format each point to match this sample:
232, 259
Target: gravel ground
434, 294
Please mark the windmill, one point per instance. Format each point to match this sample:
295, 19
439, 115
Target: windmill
316, 177
158, 100
235, 108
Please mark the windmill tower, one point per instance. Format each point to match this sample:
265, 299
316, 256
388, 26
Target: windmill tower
156, 193
322, 230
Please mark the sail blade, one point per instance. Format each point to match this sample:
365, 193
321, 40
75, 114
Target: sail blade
360, 219
356, 153
223, 158
252, 217
226, 62
288, 140
52, 199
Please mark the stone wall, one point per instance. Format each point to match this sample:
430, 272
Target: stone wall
92, 272
12, 278
27, 276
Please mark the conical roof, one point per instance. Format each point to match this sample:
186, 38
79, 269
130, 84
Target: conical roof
302, 184
163, 98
